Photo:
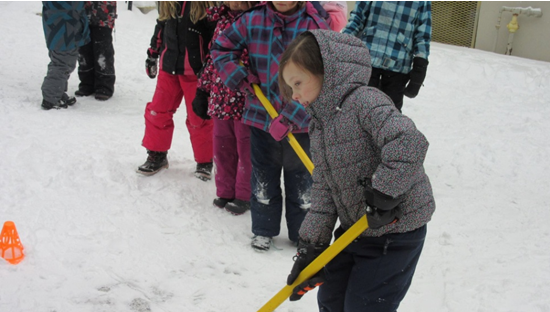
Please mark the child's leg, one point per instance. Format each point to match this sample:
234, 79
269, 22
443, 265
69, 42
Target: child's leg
86, 68
61, 65
382, 272
266, 199
297, 185
244, 167
159, 123
332, 293
393, 84
225, 158
200, 131
104, 57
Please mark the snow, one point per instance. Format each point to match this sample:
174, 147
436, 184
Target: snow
99, 237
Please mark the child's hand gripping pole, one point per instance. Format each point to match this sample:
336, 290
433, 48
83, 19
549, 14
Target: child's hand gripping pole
291, 139
359, 227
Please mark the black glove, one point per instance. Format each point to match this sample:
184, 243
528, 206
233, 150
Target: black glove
416, 77
151, 67
381, 209
306, 254
200, 104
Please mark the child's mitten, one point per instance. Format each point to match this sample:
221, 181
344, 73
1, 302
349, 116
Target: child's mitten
200, 104
417, 76
280, 127
151, 67
305, 255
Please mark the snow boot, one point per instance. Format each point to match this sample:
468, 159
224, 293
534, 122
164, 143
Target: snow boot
154, 163
102, 96
221, 202
81, 93
49, 105
238, 207
69, 100
204, 171
261, 243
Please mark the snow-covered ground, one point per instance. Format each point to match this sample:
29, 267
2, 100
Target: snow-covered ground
99, 237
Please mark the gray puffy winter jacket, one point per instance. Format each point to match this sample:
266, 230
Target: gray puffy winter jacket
356, 132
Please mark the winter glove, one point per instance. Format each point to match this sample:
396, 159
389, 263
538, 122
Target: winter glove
246, 84
416, 76
381, 209
151, 67
280, 127
306, 254
200, 104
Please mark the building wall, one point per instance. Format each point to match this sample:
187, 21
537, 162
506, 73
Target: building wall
531, 40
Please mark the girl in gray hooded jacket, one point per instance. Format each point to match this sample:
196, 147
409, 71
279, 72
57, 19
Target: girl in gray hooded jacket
368, 159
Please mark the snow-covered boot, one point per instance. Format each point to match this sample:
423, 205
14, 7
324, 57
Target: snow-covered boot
204, 171
154, 163
261, 243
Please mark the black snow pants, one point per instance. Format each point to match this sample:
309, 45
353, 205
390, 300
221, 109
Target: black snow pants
372, 273
96, 63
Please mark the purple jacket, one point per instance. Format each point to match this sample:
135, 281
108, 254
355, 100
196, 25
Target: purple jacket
265, 33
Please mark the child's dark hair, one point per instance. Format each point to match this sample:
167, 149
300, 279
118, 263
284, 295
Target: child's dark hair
304, 52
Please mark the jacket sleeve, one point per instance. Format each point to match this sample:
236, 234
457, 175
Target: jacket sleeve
357, 18
321, 218
156, 40
337, 10
402, 147
297, 114
423, 31
226, 53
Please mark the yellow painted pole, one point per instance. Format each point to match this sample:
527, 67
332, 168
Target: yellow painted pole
291, 139
359, 227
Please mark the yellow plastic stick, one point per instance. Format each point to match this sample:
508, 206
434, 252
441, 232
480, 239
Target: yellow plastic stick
359, 227
291, 139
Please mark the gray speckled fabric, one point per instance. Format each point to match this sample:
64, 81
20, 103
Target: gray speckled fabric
356, 132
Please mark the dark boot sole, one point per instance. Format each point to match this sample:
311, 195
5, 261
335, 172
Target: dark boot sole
150, 173
203, 176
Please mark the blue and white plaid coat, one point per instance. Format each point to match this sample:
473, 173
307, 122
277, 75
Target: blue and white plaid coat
394, 31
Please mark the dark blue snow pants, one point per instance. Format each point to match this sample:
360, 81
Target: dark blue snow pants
269, 158
372, 274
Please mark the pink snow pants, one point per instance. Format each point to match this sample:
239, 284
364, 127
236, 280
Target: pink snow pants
232, 159
159, 122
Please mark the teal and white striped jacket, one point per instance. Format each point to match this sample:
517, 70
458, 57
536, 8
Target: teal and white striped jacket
394, 31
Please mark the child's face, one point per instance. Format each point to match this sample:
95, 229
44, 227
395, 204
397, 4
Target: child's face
285, 7
237, 5
305, 86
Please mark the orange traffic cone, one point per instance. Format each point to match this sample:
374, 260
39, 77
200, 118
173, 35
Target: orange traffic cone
10, 245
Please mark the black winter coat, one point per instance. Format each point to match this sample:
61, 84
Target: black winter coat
181, 44
101, 13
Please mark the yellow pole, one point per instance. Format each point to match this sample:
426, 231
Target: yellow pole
359, 227
291, 139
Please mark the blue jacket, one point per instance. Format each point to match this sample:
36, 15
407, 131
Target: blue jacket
394, 31
65, 25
